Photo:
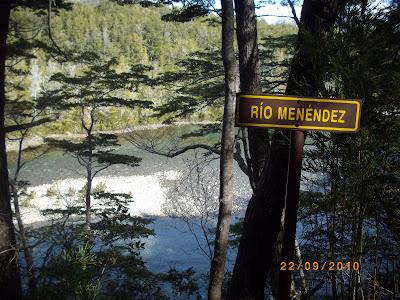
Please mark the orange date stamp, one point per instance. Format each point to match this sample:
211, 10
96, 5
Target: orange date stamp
319, 266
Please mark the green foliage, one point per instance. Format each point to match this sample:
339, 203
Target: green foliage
235, 232
135, 36
74, 271
40, 6
95, 152
100, 187
276, 51
182, 283
116, 223
107, 264
187, 13
98, 85
355, 190
198, 84
90, 265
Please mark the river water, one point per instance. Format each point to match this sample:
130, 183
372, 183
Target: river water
152, 186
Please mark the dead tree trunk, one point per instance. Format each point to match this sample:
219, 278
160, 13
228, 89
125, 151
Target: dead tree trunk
227, 148
10, 285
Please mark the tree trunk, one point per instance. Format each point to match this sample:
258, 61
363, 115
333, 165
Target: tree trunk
10, 285
260, 228
25, 242
249, 274
87, 199
297, 138
342, 236
274, 269
88, 193
305, 78
22, 231
303, 285
332, 223
89, 167
262, 219
227, 148
250, 80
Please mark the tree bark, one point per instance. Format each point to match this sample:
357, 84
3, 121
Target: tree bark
262, 219
89, 166
10, 285
317, 17
217, 270
22, 231
255, 250
292, 203
24, 239
303, 285
87, 198
261, 227
250, 80
89, 180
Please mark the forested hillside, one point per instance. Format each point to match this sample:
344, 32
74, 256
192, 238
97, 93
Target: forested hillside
130, 34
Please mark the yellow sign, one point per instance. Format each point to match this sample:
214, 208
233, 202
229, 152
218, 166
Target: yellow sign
293, 112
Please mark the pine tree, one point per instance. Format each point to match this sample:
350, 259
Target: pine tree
91, 93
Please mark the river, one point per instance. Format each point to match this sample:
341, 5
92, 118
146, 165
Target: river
153, 186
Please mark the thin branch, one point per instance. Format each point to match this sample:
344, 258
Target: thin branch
15, 63
193, 232
215, 10
101, 169
248, 159
204, 230
80, 160
49, 29
296, 19
181, 151
276, 16
239, 159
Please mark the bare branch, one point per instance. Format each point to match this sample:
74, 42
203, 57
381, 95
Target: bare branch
276, 16
247, 157
296, 19
49, 29
101, 169
239, 159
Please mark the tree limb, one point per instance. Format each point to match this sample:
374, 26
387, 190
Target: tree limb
237, 155
296, 19
49, 29
17, 127
239, 159
185, 149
